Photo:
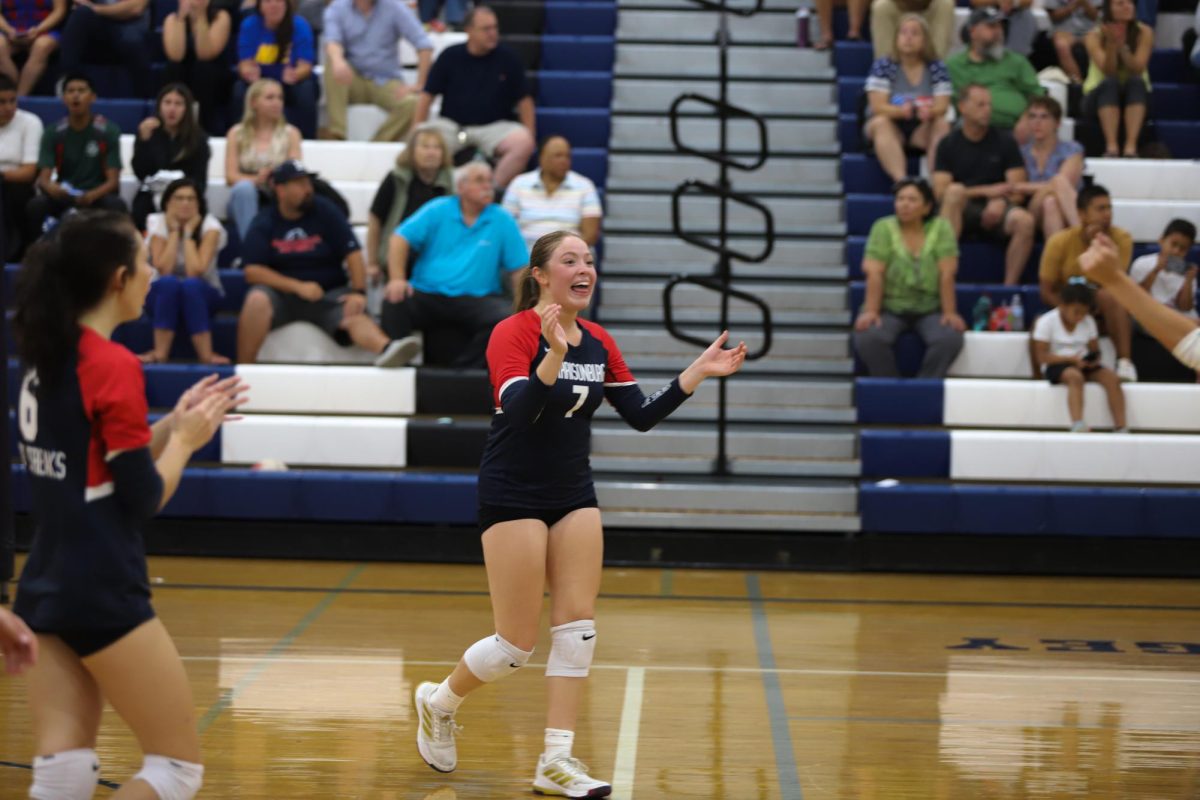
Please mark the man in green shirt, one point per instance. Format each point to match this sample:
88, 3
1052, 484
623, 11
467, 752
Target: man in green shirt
79, 162
1008, 75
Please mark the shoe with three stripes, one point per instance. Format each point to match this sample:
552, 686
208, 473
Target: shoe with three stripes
564, 776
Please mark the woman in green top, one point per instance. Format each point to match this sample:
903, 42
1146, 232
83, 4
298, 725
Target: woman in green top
1117, 81
910, 263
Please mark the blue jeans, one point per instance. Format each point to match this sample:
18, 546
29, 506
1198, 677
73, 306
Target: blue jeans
299, 104
87, 35
242, 207
196, 298
455, 10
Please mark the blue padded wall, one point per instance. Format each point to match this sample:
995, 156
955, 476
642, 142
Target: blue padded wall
896, 401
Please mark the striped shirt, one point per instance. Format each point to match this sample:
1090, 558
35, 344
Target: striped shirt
538, 213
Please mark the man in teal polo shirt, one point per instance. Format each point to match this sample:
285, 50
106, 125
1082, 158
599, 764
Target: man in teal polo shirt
464, 245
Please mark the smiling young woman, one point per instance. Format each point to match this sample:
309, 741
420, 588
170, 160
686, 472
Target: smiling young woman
538, 513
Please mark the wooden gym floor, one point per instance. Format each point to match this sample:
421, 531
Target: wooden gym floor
707, 684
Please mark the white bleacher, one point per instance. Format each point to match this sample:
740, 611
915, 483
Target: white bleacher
1001, 354
996, 403
292, 389
1074, 458
326, 441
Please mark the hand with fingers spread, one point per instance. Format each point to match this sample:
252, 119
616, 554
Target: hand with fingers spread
232, 387
717, 362
197, 425
552, 330
17, 643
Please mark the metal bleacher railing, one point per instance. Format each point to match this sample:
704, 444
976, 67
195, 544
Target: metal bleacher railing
723, 191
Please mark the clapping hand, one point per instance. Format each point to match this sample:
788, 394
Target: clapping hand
552, 330
231, 388
1100, 261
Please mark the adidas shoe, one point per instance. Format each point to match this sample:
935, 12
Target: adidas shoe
435, 732
567, 777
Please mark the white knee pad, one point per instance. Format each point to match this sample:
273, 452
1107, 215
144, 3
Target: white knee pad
572, 646
69, 775
171, 778
492, 658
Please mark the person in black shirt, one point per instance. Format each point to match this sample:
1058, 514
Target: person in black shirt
169, 141
97, 473
195, 39
481, 83
423, 171
549, 371
975, 178
293, 254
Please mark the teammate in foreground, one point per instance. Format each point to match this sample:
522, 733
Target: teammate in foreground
537, 506
98, 471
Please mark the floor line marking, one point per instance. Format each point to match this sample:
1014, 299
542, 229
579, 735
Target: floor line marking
781, 735
627, 736
998, 723
400, 662
697, 598
667, 583
227, 697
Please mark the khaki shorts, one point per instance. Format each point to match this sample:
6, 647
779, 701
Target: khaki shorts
483, 137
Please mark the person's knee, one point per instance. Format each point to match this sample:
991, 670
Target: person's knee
257, 306
1020, 222
69, 775
517, 143
194, 285
1072, 377
43, 46
956, 195
572, 648
495, 657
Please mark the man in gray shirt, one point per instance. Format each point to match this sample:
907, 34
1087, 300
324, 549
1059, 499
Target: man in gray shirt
363, 63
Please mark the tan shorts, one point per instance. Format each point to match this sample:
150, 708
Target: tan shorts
483, 137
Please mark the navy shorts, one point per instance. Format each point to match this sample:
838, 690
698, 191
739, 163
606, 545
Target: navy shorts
490, 515
86, 642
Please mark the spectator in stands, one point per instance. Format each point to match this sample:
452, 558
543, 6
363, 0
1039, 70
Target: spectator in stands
253, 148
294, 255
1179, 333
1066, 344
553, 198
977, 174
168, 143
455, 13
103, 30
481, 82
362, 65
1007, 75
908, 93
423, 171
79, 161
886, 15
194, 40
1195, 49
463, 244
910, 263
1019, 24
1060, 263
183, 242
1054, 168
1171, 280
274, 43
1072, 20
20, 138
29, 30
857, 15
1118, 82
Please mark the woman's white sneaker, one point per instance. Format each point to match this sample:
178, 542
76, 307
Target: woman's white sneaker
435, 731
567, 777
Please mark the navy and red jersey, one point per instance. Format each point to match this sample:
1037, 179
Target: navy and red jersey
537, 450
87, 564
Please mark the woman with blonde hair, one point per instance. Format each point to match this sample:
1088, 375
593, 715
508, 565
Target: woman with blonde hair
424, 170
908, 93
260, 142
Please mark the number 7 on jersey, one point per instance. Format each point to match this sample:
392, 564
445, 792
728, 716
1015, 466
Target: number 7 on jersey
582, 391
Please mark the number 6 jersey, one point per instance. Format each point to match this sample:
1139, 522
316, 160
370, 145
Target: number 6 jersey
537, 450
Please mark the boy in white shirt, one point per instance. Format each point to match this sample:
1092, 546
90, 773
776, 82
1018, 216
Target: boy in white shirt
1167, 275
20, 137
1066, 344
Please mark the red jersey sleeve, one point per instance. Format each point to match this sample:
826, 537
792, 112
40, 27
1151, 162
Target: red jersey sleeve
511, 351
114, 396
616, 373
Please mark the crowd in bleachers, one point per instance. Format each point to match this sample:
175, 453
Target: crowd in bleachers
437, 244
1009, 195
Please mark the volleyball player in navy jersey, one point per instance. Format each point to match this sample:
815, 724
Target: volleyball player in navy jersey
98, 471
537, 506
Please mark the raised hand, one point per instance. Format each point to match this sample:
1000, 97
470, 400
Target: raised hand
232, 387
196, 426
1100, 261
552, 330
716, 361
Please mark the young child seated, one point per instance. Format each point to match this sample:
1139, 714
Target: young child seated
1170, 280
1066, 344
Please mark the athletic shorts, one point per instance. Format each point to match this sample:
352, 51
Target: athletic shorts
482, 137
325, 313
86, 642
492, 515
973, 221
